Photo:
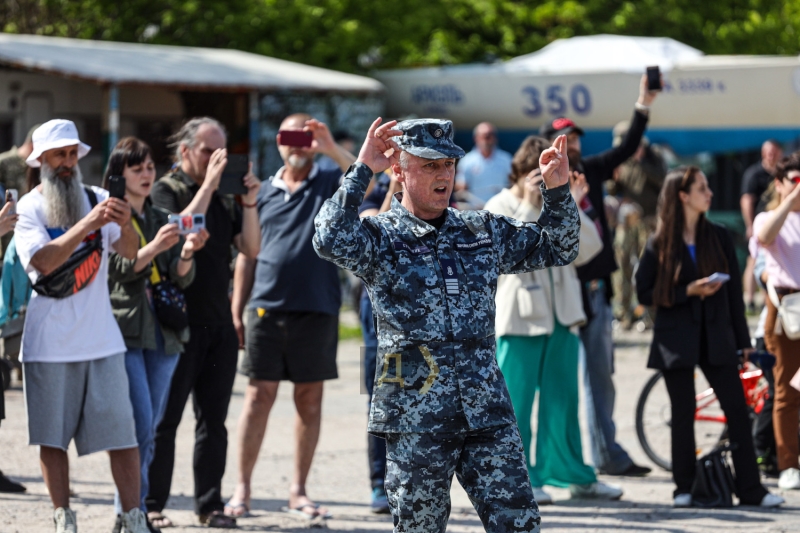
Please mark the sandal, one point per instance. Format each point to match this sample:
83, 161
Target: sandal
217, 519
159, 520
315, 511
237, 510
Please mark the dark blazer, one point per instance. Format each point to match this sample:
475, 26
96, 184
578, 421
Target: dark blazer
676, 336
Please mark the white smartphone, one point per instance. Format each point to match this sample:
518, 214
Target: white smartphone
718, 277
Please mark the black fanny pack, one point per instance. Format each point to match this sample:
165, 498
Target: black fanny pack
79, 270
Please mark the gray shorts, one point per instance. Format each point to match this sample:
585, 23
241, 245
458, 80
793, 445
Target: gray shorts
88, 401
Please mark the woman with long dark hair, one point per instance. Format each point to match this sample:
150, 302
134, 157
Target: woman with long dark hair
698, 323
153, 348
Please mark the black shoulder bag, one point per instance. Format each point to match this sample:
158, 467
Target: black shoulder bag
79, 270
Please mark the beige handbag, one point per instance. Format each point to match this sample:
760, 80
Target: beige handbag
788, 321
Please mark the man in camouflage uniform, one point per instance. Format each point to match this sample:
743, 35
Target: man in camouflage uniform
13, 167
440, 400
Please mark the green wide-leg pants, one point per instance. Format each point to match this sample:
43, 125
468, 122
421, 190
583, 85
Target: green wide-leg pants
549, 364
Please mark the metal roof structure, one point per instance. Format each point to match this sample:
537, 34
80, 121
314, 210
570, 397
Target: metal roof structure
180, 67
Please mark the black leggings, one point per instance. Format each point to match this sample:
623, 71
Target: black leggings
728, 388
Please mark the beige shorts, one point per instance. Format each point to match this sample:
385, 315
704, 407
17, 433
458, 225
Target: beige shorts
88, 401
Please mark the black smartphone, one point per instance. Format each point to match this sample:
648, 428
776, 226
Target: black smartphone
654, 79
232, 178
116, 187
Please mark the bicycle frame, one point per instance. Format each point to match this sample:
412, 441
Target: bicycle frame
754, 393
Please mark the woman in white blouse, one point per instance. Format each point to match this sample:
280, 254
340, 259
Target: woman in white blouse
538, 314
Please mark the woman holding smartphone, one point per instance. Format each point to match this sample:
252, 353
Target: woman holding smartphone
153, 349
776, 232
698, 323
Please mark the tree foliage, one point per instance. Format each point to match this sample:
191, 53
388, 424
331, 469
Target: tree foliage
355, 35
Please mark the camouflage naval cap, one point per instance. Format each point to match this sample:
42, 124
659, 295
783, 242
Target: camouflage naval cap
431, 138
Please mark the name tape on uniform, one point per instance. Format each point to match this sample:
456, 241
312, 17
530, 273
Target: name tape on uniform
416, 250
482, 243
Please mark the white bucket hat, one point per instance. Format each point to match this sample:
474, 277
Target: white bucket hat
52, 134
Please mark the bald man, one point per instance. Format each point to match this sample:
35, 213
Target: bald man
293, 310
484, 171
755, 181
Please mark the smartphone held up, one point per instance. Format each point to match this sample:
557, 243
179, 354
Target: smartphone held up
232, 180
188, 223
12, 196
116, 187
654, 79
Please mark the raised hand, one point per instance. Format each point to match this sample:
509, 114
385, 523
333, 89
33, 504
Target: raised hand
323, 142
646, 97
253, 185
216, 166
195, 242
554, 163
379, 150
8, 220
168, 236
578, 186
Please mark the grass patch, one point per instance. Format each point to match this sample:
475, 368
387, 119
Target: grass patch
349, 332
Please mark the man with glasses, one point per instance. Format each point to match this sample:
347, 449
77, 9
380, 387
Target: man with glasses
484, 171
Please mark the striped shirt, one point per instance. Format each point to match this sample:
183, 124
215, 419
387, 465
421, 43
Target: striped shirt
783, 255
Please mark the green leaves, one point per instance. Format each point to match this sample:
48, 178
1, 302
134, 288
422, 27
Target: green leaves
336, 33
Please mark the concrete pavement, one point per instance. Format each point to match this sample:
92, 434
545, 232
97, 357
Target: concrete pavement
339, 477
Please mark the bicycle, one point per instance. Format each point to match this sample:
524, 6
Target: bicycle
653, 414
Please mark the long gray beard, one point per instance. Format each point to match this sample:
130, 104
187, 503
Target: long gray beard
64, 205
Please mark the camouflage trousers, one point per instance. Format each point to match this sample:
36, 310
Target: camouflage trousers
489, 463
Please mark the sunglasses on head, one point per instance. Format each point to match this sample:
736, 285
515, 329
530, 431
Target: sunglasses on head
795, 179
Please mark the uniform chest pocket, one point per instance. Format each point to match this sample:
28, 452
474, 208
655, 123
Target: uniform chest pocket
479, 268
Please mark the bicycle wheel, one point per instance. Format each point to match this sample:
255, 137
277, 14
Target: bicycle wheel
654, 420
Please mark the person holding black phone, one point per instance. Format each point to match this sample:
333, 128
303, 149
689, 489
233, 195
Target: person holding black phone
698, 323
207, 368
153, 345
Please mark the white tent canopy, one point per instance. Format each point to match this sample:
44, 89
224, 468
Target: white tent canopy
174, 66
604, 53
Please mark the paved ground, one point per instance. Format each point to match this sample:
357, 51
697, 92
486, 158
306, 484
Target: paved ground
339, 476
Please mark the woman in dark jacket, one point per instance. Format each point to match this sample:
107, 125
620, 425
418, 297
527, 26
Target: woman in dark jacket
153, 348
698, 323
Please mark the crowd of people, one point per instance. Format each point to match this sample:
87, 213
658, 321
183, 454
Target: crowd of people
468, 315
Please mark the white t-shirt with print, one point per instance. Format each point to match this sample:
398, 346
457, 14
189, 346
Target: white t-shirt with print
80, 327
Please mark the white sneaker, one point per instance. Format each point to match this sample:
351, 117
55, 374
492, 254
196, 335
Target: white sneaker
682, 500
790, 479
597, 490
772, 500
542, 498
134, 521
65, 521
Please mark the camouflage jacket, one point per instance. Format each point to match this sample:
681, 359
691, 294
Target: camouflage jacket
433, 298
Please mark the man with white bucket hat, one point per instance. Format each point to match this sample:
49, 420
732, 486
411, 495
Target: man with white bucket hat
76, 386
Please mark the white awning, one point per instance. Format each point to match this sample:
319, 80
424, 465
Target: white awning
604, 53
174, 66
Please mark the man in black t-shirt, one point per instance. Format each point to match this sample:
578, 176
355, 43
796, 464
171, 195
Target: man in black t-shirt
755, 182
207, 368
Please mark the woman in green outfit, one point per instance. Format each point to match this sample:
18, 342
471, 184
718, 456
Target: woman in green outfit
538, 314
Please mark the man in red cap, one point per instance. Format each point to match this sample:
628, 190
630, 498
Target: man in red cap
608, 456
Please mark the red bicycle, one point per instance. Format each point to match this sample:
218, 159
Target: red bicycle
654, 414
